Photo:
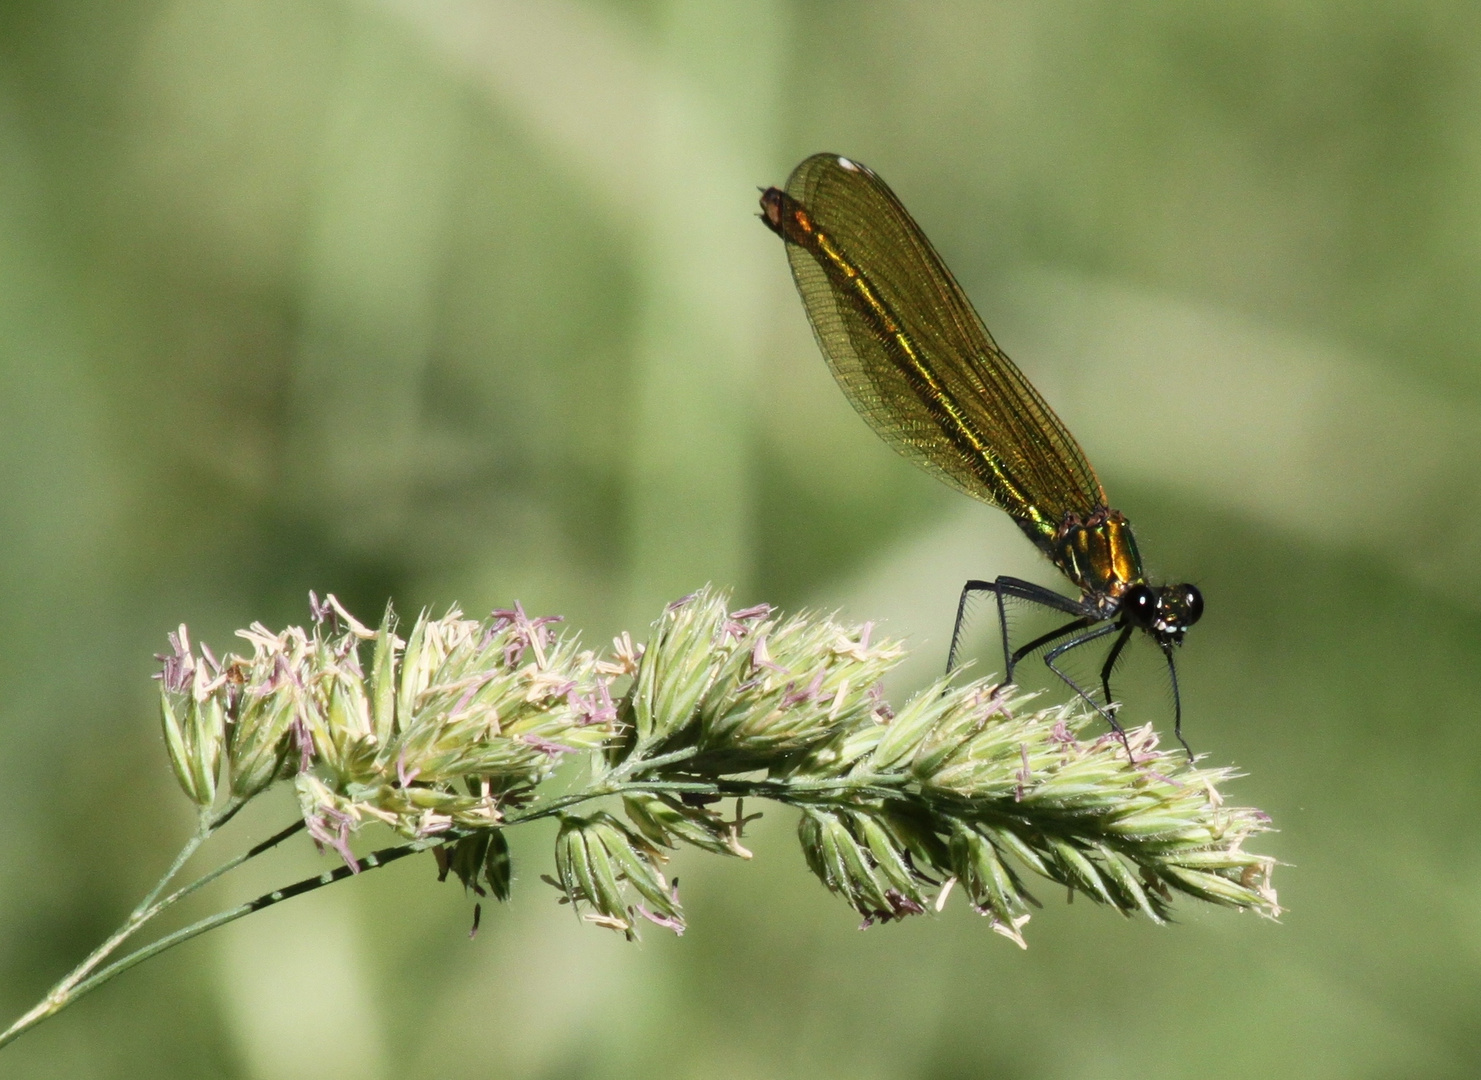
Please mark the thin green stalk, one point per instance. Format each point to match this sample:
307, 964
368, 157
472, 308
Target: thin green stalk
228, 866
641, 765
555, 806
84, 978
373, 861
64, 992
792, 791
80, 982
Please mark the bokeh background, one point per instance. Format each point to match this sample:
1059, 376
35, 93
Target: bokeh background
465, 301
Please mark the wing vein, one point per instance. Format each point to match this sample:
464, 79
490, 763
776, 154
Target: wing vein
913, 357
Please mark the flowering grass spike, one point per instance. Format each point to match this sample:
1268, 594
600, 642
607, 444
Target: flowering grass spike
449, 736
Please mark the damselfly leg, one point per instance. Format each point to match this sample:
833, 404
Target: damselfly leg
1086, 625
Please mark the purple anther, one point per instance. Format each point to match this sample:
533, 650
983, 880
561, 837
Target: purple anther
321, 611
665, 921
179, 665
594, 708
902, 905
525, 633
336, 836
403, 777
547, 746
303, 736
736, 626
794, 697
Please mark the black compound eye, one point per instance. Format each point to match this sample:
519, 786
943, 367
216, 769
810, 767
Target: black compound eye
1193, 604
1140, 603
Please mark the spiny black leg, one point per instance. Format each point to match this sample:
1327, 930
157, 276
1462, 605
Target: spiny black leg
1008, 661
1177, 702
1044, 639
1074, 643
1105, 672
1038, 594
1002, 588
968, 589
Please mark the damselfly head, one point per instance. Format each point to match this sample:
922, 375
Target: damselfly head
1165, 612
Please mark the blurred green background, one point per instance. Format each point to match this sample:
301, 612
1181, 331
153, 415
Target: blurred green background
455, 300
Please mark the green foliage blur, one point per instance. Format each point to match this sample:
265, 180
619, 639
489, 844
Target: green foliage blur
464, 301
